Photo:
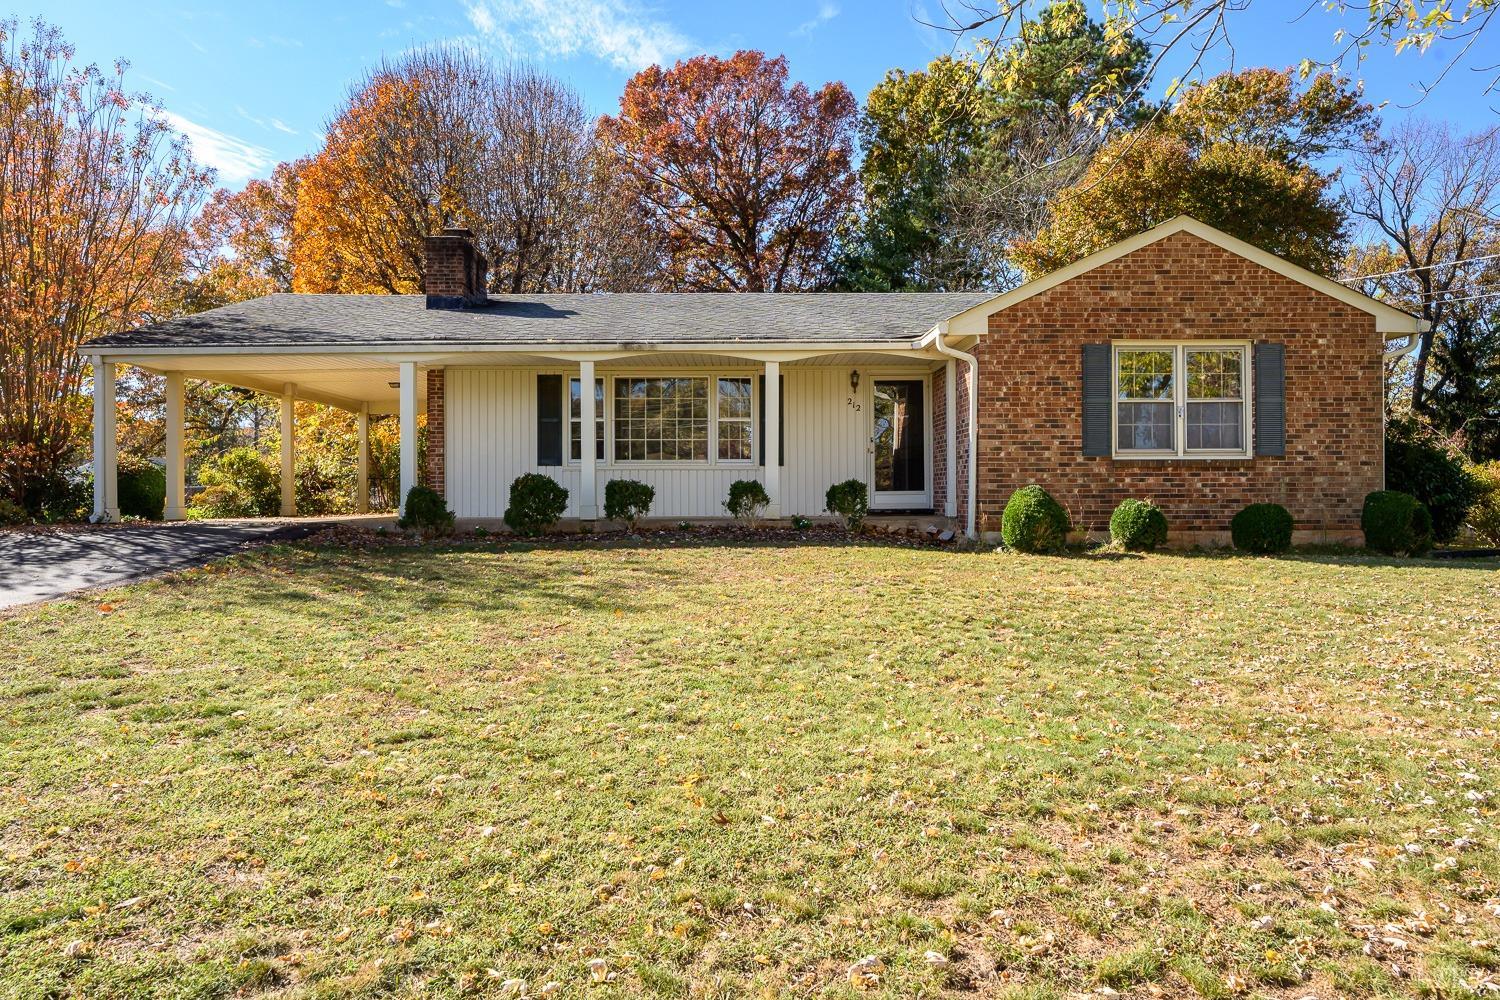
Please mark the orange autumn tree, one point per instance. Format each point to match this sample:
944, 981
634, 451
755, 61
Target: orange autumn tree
744, 177
95, 196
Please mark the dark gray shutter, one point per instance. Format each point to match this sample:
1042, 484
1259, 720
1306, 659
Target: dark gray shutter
1270, 399
1096, 402
760, 432
549, 420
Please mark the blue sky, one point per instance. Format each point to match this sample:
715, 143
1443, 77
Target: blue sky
253, 83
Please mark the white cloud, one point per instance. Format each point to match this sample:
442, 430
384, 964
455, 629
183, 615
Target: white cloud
235, 159
282, 126
616, 31
827, 11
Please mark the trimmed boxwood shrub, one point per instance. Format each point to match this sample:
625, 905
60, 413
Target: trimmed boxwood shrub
850, 500
426, 512
628, 500
747, 500
1033, 521
536, 502
1138, 526
1263, 528
1395, 523
142, 490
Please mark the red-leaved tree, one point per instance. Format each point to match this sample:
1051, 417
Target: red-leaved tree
744, 176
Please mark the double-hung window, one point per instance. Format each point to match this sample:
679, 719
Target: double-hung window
575, 420
736, 439
1181, 400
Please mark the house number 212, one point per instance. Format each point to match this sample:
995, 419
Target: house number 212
852, 404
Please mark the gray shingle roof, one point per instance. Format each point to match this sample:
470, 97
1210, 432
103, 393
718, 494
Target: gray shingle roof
285, 320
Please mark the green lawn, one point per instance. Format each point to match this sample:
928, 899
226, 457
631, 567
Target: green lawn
737, 771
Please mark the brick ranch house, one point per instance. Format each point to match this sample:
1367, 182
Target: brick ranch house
1182, 365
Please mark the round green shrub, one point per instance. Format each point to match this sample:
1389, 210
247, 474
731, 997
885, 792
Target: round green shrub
1138, 526
747, 500
628, 500
239, 483
536, 502
1033, 521
142, 490
1263, 528
1396, 523
426, 512
1484, 516
850, 500
12, 513
1418, 464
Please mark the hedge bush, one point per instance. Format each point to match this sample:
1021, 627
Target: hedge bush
1263, 528
12, 513
1033, 521
850, 500
1138, 526
1396, 523
628, 500
239, 483
142, 490
747, 500
426, 512
1419, 465
536, 502
1484, 515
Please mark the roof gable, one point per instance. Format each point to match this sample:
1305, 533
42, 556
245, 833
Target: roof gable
1388, 320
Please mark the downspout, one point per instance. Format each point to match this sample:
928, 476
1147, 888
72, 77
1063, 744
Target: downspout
936, 337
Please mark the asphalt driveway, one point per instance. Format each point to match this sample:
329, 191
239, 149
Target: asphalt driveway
41, 566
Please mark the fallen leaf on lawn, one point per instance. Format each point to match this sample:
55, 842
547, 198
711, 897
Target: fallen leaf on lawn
599, 970
343, 934
865, 974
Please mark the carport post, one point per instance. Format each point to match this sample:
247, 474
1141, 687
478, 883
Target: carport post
773, 438
362, 483
288, 450
176, 478
106, 488
408, 430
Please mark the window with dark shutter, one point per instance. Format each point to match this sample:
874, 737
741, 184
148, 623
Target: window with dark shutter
1096, 399
1270, 399
549, 420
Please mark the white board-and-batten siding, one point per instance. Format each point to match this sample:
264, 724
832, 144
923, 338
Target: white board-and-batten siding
491, 438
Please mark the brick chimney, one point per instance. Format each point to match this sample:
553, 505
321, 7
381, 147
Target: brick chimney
456, 272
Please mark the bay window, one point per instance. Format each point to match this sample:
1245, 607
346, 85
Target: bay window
1181, 400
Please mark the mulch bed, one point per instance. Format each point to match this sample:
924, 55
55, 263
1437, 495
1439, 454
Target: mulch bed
352, 536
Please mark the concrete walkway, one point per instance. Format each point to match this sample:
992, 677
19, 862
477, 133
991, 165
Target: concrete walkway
42, 566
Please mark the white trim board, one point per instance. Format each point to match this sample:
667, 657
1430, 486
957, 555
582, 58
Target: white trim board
1388, 320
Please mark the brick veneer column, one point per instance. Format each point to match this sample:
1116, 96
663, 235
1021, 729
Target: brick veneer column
435, 474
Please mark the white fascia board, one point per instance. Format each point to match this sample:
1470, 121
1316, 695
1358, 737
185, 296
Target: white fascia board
427, 353
1390, 321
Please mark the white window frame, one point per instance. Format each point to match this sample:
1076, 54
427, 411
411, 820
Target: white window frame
601, 420
1179, 401
713, 376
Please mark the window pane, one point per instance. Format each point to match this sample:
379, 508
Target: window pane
1144, 427
575, 415
1214, 374
661, 419
1215, 427
734, 398
1145, 374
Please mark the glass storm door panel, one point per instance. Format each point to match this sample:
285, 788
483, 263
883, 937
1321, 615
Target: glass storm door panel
899, 436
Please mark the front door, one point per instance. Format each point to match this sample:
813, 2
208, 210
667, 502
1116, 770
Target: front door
899, 444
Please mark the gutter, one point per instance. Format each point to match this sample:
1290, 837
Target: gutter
935, 338
1413, 339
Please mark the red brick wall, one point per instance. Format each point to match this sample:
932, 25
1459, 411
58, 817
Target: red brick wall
961, 441
453, 271
1183, 288
939, 440
435, 472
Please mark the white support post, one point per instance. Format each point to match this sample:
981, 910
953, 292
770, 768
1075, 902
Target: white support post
362, 481
408, 430
288, 450
174, 509
950, 439
773, 438
106, 487
588, 482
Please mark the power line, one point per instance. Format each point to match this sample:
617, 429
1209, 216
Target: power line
1424, 267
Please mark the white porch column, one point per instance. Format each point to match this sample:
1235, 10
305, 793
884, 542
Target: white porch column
106, 489
362, 480
176, 474
288, 450
950, 438
408, 430
773, 437
588, 483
